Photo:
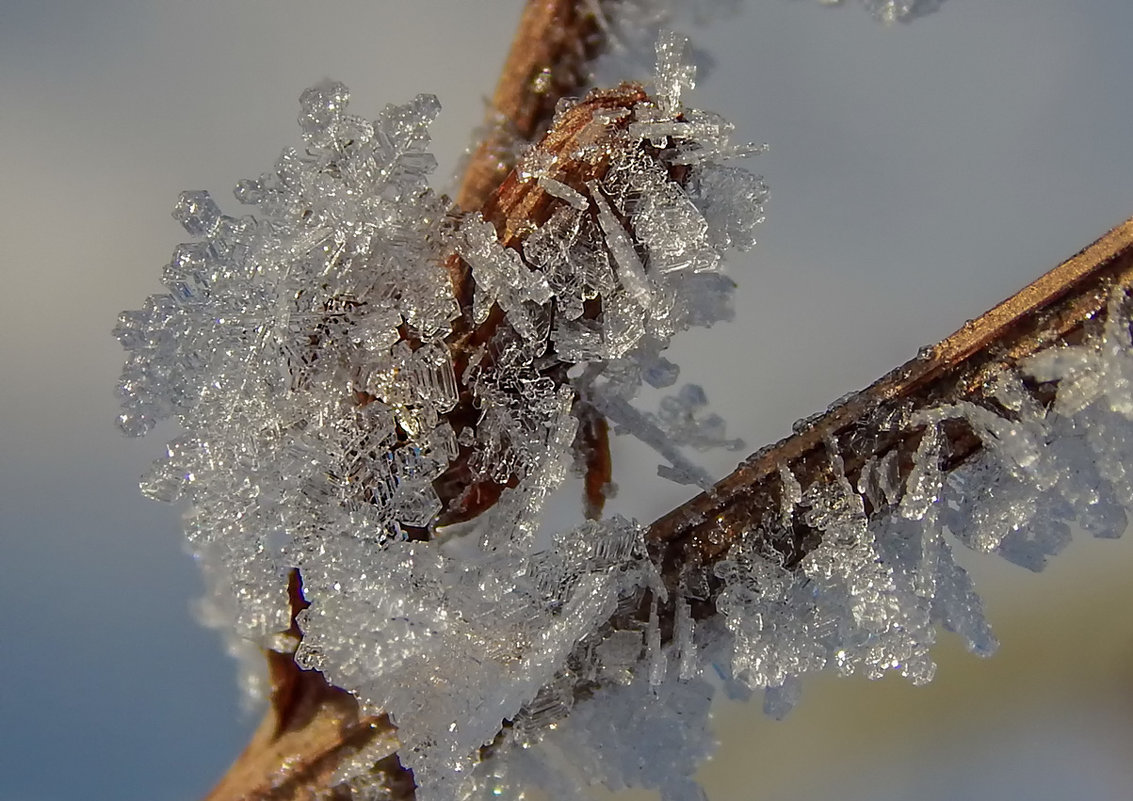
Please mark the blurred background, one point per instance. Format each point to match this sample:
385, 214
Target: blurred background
919, 175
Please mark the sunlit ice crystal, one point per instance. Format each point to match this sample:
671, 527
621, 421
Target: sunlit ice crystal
501, 276
674, 72
254, 349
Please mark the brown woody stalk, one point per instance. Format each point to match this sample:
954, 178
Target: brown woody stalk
1057, 308
553, 43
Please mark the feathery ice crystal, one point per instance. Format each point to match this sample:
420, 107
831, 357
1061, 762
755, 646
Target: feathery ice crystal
388, 418
344, 393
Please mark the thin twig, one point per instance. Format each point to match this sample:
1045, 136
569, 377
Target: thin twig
547, 62
1052, 309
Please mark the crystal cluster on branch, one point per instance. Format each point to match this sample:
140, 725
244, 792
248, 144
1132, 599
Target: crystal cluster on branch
357, 407
1055, 432
332, 386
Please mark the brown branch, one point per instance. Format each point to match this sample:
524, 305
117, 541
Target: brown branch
1053, 309
309, 728
296, 762
547, 62
516, 208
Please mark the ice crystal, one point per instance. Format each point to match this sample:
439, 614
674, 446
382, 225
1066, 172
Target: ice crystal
342, 401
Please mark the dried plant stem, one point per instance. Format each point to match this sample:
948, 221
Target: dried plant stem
1053, 309
301, 742
547, 62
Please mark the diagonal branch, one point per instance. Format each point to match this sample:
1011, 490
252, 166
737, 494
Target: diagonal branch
1055, 308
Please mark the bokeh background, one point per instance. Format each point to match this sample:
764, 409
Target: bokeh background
919, 175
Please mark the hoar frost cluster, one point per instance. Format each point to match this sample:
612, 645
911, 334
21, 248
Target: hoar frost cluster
333, 386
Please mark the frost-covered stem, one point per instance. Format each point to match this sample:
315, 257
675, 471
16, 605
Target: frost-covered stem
309, 728
297, 761
1062, 306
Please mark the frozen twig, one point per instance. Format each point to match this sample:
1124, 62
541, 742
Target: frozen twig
1056, 308
547, 61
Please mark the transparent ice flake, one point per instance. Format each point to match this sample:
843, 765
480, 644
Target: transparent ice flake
684, 640
684, 420
501, 276
630, 420
922, 488
321, 107
674, 71
619, 653
631, 272
779, 700
661, 373
731, 200
564, 192
197, 212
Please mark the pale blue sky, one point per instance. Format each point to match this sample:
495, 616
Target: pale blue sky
919, 175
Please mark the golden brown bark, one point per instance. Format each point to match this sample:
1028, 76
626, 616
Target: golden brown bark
547, 62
